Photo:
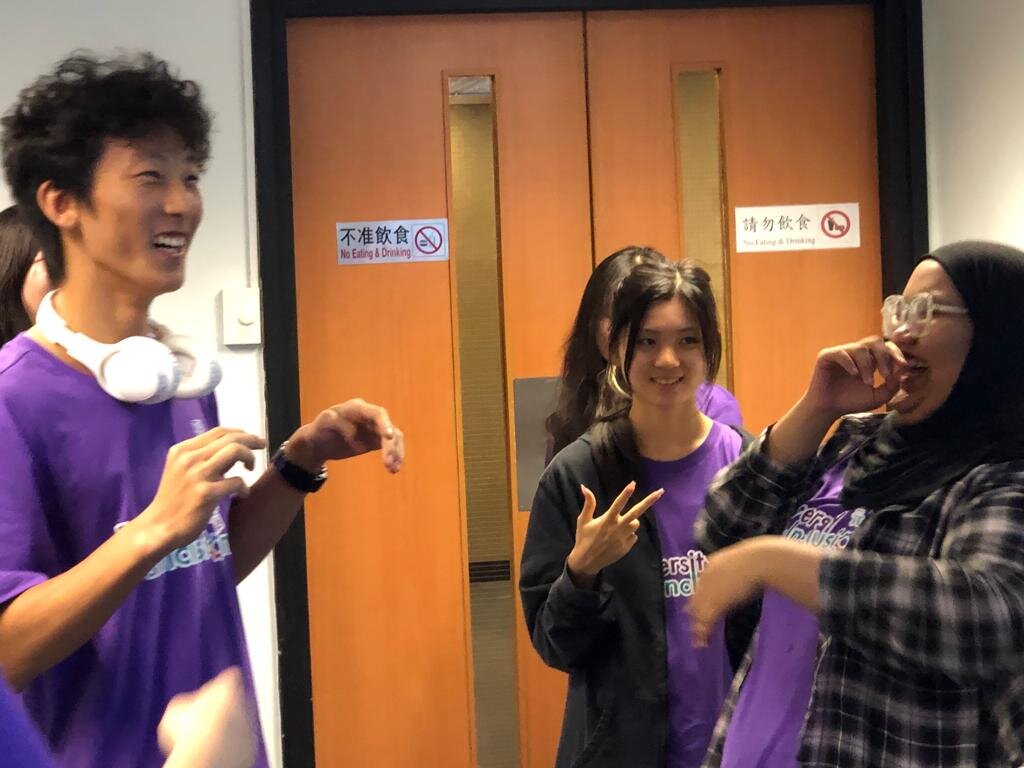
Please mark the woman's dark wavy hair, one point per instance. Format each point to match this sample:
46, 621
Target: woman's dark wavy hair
57, 129
583, 365
18, 249
613, 441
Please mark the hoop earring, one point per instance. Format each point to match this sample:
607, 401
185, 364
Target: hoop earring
612, 377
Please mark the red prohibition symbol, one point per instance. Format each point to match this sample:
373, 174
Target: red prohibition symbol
428, 240
835, 224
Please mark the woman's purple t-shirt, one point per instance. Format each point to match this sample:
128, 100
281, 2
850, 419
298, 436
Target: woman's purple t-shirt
718, 403
765, 728
698, 680
75, 466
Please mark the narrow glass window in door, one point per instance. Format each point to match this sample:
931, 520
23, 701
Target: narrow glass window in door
701, 173
477, 274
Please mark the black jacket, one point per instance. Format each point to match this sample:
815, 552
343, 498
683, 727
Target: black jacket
611, 640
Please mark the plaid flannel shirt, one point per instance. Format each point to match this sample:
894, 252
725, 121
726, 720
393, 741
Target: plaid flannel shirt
920, 662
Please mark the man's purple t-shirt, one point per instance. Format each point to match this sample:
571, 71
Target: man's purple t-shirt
20, 744
698, 680
769, 717
75, 466
718, 403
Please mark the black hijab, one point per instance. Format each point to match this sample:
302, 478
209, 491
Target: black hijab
982, 420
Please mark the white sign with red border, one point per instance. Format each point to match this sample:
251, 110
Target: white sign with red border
392, 241
797, 227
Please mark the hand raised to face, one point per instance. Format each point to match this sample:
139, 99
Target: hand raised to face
843, 380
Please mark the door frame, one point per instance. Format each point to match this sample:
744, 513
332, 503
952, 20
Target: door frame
903, 198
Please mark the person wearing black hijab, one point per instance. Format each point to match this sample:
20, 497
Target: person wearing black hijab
900, 539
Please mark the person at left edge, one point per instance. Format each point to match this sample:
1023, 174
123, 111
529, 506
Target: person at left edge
23, 276
121, 537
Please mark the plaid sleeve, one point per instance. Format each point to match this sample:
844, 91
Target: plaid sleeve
959, 610
751, 497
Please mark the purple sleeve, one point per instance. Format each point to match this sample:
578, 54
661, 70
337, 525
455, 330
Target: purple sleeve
210, 413
720, 405
24, 536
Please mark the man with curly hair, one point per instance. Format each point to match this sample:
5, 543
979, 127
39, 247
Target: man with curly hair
121, 537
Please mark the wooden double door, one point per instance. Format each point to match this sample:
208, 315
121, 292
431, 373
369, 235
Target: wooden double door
588, 155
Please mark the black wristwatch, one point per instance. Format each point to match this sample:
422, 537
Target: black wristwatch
297, 477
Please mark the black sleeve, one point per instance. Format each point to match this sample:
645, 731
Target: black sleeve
565, 623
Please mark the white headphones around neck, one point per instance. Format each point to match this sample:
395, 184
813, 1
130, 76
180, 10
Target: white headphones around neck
138, 369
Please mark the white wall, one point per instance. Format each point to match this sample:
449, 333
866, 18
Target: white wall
974, 74
209, 43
